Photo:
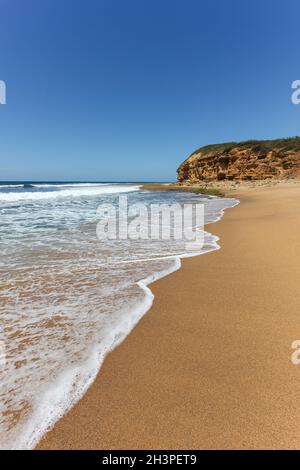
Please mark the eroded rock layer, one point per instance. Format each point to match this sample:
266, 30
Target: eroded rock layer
251, 160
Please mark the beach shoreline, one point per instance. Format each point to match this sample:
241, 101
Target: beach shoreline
207, 367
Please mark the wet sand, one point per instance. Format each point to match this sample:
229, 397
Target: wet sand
208, 367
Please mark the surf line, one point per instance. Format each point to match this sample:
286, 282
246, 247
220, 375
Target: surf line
142, 260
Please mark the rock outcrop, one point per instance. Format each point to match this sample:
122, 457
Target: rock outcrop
251, 160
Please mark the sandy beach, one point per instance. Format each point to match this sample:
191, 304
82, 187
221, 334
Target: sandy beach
208, 367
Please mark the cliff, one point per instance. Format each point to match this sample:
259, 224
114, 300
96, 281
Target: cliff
249, 160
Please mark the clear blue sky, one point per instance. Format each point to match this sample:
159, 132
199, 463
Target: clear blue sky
126, 89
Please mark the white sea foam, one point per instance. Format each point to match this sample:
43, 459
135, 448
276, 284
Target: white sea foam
63, 311
72, 384
11, 186
60, 193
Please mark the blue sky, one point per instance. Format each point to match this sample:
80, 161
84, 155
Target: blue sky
122, 90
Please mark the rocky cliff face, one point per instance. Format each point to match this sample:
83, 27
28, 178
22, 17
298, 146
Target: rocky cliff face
252, 160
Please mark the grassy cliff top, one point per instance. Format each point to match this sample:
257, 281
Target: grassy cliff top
290, 144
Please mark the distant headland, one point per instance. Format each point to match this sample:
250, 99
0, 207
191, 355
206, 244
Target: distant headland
241, 161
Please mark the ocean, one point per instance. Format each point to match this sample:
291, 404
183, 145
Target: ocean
67, 297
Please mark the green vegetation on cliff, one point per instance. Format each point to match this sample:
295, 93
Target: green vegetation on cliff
290, 144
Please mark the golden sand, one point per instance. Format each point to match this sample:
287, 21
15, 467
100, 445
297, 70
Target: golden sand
209, 365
